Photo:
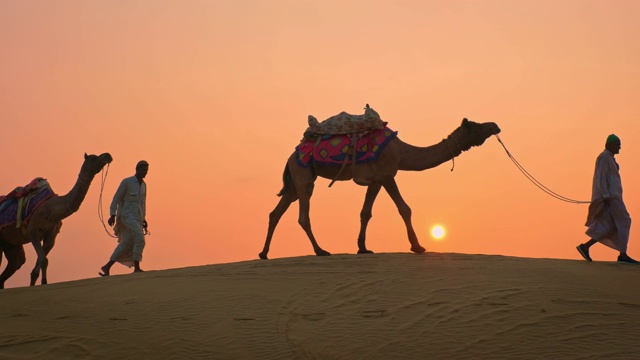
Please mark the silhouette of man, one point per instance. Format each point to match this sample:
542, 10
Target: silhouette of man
608, 220
128, 211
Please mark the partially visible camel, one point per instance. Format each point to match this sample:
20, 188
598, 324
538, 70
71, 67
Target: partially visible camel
397, 155
45, 223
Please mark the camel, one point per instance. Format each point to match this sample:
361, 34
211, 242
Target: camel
397, 155
45, 223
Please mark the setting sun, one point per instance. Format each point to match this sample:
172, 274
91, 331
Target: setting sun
437, 232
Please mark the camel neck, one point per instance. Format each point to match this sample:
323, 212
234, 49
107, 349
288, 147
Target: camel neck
416, 158
70, 203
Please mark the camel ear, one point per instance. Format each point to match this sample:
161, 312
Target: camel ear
465, 121
85, 156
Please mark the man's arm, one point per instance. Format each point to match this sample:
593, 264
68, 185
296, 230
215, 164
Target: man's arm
603, 167
117, 199
143, 204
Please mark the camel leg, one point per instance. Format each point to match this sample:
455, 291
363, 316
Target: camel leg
365, 216
35, 273
36, 241
274, 217
405, 211
15, 259
47, 244
305, 190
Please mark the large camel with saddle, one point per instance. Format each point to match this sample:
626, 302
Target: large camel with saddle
395, 156
45, 221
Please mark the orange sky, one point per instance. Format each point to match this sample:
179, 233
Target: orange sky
215, 95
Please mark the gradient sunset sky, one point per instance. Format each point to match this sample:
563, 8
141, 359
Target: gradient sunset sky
215, 96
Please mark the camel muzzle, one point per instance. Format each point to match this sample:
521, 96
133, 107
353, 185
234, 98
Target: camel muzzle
107, 158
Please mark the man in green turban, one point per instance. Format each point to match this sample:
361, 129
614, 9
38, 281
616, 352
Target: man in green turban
608, 220
612, 139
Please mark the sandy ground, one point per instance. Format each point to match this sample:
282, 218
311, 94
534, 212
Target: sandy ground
380, 306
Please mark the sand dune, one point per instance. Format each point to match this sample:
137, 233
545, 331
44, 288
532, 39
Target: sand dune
380, 306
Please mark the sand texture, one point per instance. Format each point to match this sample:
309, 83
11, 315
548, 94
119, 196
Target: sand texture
379, 306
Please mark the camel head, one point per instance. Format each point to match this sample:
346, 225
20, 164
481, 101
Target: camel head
471, 133
93, 164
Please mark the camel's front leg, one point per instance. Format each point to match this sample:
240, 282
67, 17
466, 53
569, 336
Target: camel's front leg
405, 211
15, 259
274, 218
47, 244
41, 262
35, 273
365, 216
304, 220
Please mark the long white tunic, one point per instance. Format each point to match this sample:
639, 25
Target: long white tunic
129, 203
129, 206
609, 224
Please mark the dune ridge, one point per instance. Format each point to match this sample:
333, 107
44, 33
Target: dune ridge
379, 306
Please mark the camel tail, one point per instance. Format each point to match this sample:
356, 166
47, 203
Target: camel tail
286, 179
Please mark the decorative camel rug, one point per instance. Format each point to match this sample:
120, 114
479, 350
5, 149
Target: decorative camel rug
18, 206
335, 149
345, 123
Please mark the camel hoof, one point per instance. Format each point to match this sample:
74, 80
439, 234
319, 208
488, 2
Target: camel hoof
322, 253
365, 251
418, 249
263, 256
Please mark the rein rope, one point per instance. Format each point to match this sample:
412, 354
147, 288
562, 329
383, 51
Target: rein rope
453, 156
538, 183
100, 213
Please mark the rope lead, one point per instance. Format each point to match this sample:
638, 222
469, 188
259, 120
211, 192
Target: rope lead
100, 213
538, 183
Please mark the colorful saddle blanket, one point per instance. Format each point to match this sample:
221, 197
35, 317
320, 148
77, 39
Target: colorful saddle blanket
18, 206
335, 149
345, 123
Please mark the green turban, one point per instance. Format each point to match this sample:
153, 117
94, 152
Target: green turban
612, 139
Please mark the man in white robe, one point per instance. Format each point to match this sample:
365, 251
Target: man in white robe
608, 221
128, 213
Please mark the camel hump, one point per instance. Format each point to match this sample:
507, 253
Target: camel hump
345, 123
22, 191
17, 207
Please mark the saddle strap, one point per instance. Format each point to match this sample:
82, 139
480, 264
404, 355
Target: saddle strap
354, 140
23, 203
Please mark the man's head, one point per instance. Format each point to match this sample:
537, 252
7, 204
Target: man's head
142, 167
613, 144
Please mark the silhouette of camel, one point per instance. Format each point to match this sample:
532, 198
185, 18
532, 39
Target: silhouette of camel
397, 155
45, 223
